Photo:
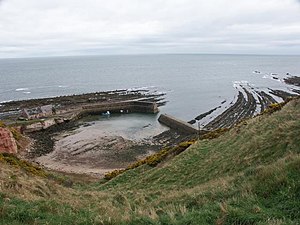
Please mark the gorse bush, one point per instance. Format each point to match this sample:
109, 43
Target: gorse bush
277, 106
16, 134
2, 124
22, 164
215, 133
153, 159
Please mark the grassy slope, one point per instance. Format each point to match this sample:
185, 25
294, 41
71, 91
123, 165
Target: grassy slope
250, 175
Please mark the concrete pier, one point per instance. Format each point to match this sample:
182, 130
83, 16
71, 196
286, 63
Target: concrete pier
177, 124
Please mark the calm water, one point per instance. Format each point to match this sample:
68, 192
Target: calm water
134, 126
193, 83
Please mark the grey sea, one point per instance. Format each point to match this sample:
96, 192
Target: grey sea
193, 83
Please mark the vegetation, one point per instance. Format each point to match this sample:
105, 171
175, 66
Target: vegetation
153, 159
2, 124
16, 134
277, 106
248, 175
21, 164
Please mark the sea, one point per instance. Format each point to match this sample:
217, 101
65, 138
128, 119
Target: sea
193, 83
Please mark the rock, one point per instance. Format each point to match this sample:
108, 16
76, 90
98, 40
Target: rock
7, 142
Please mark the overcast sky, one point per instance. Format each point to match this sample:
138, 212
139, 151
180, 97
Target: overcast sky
30, 28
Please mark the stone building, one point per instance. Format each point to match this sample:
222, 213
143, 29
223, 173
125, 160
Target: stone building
38, 112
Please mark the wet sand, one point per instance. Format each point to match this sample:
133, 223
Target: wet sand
93, 155
95, 148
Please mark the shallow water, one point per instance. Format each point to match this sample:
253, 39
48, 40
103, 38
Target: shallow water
135, 126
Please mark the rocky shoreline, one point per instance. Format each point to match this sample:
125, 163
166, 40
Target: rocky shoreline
250, 102
70, 101
109, 152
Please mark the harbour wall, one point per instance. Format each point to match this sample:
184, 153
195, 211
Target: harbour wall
179, 125
125, 106
72, 114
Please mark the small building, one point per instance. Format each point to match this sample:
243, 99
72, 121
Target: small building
38, 112
47, 110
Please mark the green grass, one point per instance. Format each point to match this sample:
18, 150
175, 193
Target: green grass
249, 175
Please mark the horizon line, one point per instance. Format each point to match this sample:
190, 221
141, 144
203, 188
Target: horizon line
147, 54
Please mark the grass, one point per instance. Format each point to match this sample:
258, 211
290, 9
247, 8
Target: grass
248, 175
154, 159
21, 164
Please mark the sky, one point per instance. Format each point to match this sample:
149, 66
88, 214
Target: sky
38, 28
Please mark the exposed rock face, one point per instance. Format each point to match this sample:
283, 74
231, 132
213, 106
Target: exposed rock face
7, 141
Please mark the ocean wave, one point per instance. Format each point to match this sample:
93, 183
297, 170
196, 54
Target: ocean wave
22, 89
160, 92
6, 101
26, 92
240, 83
63, 86
266, 77
141, 88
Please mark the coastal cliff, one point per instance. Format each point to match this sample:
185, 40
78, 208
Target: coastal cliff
7, 141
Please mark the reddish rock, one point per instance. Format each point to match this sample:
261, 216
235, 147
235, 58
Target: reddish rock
7, 141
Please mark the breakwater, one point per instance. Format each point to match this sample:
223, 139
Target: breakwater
177, 124
124, 106
71, 114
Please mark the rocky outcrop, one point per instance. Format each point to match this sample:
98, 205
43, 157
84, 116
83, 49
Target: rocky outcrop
7, 142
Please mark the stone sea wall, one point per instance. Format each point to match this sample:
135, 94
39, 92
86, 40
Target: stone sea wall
75, 113
177, 124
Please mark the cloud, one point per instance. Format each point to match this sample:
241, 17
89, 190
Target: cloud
64, 27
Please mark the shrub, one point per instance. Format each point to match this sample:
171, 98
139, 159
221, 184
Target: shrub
2, 124
273, 108
154, 159
16, 134
215, 133
22, 164
277, 106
